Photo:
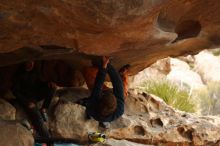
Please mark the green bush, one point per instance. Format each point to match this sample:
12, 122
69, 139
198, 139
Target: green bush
171, 94
216, 52
209, 98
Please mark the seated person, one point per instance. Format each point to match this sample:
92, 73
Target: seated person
104, 105
28, 89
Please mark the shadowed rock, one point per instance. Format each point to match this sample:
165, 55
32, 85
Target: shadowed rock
13, 133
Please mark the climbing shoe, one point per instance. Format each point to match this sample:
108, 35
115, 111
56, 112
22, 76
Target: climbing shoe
105, 125
96, 137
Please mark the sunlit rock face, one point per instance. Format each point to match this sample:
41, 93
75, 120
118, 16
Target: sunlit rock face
175, 70
147, 120
182, 74
137, 32
207, 65
158, 70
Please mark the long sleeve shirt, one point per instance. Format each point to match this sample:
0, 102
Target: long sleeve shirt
97, 94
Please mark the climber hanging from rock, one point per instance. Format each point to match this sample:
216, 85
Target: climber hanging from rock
28, 89
104, 104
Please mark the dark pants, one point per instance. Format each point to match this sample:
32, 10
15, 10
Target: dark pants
34, 114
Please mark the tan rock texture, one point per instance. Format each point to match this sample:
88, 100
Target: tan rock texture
70, 122
7, 111
114, 142
173, 69
13, 134
147, 120
138, 32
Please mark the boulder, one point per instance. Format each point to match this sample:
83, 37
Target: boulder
70, 122
172, 69
177, 64
7, 111
153, 122
13, 134
187, 78
207, 65
147, 120
114, 142
158, 70
136, 32
182, 74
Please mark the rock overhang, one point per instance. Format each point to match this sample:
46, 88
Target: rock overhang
137, 32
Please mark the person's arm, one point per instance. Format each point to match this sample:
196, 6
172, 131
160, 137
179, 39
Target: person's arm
118, 92
100, 78
96, 93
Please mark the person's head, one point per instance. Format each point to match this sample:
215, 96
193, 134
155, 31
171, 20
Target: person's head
29, 65
107, 104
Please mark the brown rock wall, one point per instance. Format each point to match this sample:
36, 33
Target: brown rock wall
138, 32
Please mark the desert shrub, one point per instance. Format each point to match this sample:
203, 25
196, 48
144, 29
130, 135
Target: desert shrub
191, 65
171, 93
216, 52
209, 98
